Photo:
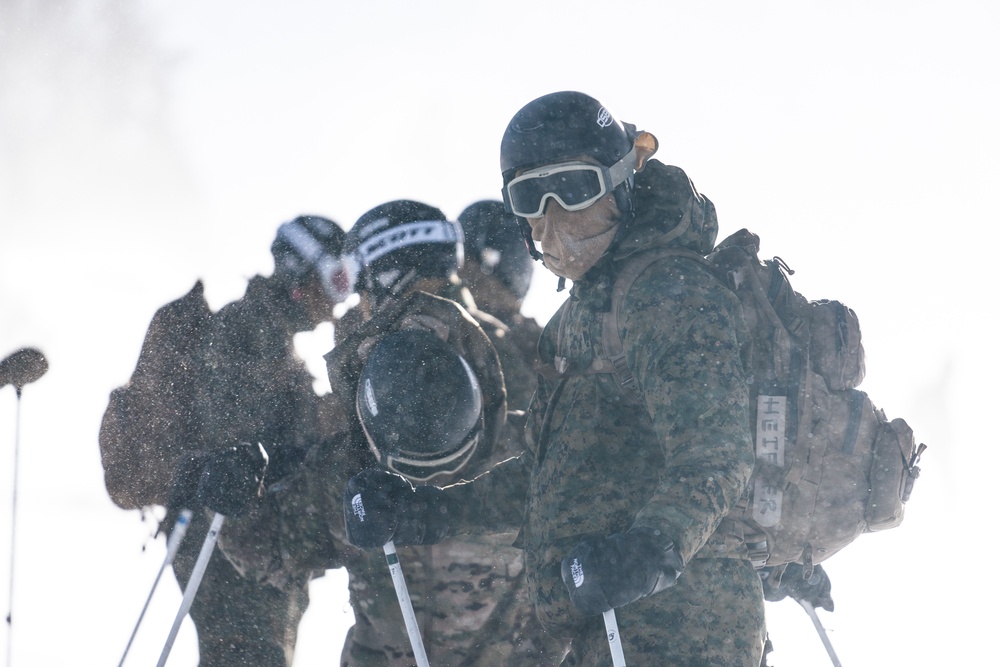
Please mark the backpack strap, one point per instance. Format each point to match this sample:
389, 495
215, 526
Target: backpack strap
765, 298
613, 358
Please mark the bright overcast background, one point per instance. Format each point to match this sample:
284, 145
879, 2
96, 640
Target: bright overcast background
145, 144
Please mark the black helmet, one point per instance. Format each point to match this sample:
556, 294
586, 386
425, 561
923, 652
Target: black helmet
494, 239
312, 243
420, 405
559, 126
400, 241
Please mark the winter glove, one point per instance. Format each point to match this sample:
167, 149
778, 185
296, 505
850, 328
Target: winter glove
603, 573
184, 485
231, 479
380, 506
282, 461
815, 590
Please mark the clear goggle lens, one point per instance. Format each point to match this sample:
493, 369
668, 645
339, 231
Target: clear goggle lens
575, 185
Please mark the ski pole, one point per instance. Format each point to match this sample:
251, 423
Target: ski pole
192, 586
821, 630
173, 544
20, 368
405, 605
614, 638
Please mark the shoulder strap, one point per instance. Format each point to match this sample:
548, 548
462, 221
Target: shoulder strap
612, 359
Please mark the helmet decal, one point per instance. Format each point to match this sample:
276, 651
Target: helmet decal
604, 117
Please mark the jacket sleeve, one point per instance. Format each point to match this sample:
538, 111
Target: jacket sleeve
493, 502
684, 336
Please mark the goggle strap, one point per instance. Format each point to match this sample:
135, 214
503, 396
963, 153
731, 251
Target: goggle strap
622, 170
410, 233
307, 247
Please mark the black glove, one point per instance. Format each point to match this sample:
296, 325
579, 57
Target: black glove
231, 479
815, 590
380, 506
282, 461
184, 485
603, 573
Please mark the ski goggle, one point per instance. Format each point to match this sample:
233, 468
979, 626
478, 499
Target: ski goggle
574, 185
336, 274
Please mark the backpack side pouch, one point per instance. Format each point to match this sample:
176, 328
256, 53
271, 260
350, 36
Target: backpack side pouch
891, 476
835, 349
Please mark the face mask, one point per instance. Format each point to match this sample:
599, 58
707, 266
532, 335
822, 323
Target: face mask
572, 243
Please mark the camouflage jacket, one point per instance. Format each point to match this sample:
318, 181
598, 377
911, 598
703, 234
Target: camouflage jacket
599, 463
469, 595
256, 388
517, 346
205, 381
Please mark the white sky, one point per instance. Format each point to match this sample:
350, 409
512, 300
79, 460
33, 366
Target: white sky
144, 145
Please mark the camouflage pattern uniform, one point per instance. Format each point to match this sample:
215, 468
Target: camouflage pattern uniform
245, 385
469, 596
517, 346
514, 336
600, 463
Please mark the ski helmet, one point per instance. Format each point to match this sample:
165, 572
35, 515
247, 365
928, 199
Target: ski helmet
311, 243
493, 238
398, 242
560, 126
420, 405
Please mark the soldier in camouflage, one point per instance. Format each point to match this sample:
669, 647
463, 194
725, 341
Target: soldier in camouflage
205, 382
621, 500
469, 595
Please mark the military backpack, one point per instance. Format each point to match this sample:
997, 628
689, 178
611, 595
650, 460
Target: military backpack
830, 465
148, 424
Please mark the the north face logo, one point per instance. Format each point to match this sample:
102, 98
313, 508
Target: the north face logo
604, 117
577, 570
358, 507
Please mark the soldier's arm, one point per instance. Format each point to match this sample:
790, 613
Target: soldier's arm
683, 342
493, 502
